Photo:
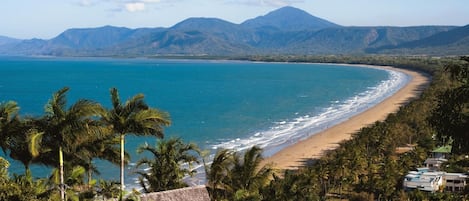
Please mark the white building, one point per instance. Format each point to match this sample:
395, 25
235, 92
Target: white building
423, 180
426, 180
455, 182
430, 179
434, 164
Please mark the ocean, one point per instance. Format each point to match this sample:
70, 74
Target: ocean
216, 104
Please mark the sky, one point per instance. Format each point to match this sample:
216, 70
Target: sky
45, 19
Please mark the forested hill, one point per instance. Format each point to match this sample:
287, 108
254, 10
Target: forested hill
287, 30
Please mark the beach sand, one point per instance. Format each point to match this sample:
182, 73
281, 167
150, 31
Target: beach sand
294, 156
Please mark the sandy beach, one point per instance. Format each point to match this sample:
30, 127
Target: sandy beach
294, 156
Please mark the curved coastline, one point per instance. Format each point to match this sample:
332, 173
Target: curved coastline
296, 154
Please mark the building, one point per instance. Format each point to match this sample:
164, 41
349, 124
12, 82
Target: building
423, 180
434, 164
431, 179
438, 157
455, 182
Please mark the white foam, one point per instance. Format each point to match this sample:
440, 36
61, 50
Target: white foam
286, 132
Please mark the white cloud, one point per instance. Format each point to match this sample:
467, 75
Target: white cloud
135, 6
125, 5
86, 3
275, 3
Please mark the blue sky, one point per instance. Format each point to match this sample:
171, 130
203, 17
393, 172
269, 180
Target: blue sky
47, 18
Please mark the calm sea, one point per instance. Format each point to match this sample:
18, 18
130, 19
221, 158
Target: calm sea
217, 104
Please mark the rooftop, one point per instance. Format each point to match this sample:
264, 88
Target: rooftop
443, 149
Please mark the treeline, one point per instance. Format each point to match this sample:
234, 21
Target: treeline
419, 63
68, 138
367, 167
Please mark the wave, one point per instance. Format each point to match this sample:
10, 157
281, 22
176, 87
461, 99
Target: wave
283, 133
286, 132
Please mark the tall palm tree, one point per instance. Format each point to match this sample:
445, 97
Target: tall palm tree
65, 129
166, 170
133, 117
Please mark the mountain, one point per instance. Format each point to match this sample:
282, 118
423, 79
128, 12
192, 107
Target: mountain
454, 41
91, 38
288, 19
287, 30
7, 40
176, 42
353, 40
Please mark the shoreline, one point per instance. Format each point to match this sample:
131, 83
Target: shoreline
298, 153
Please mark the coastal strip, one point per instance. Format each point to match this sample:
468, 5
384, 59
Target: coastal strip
295, 155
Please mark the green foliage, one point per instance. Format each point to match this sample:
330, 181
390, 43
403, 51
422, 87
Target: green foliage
4, 164
24, 188
367, 166
172, 161
451, 117
293, 186
108, 189
235, 177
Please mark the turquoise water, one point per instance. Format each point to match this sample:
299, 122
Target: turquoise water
230, 104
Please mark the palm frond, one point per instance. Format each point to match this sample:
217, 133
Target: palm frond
8, 110
115, 100
56, 105
35, 140
135, 103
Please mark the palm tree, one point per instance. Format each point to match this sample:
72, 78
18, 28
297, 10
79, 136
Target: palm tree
166, 170
133, 117
17, 135
247, 177
104, 148
108, 189
8, 118
65, 130
235, 177
217, 172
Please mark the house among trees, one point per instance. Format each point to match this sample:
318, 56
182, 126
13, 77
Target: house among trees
439, 156
423, 180
431, 179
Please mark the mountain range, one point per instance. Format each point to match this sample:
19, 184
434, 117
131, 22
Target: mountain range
287, 30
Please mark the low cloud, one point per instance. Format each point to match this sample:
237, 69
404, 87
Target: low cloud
124, 5
135, 6
86, 3
265, 2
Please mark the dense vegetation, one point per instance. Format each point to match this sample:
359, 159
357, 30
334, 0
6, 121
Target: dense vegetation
367, 167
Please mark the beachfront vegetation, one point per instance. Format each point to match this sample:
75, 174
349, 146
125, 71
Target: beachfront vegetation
367, 167
232, 176
68, 139
164, 168
133, 117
